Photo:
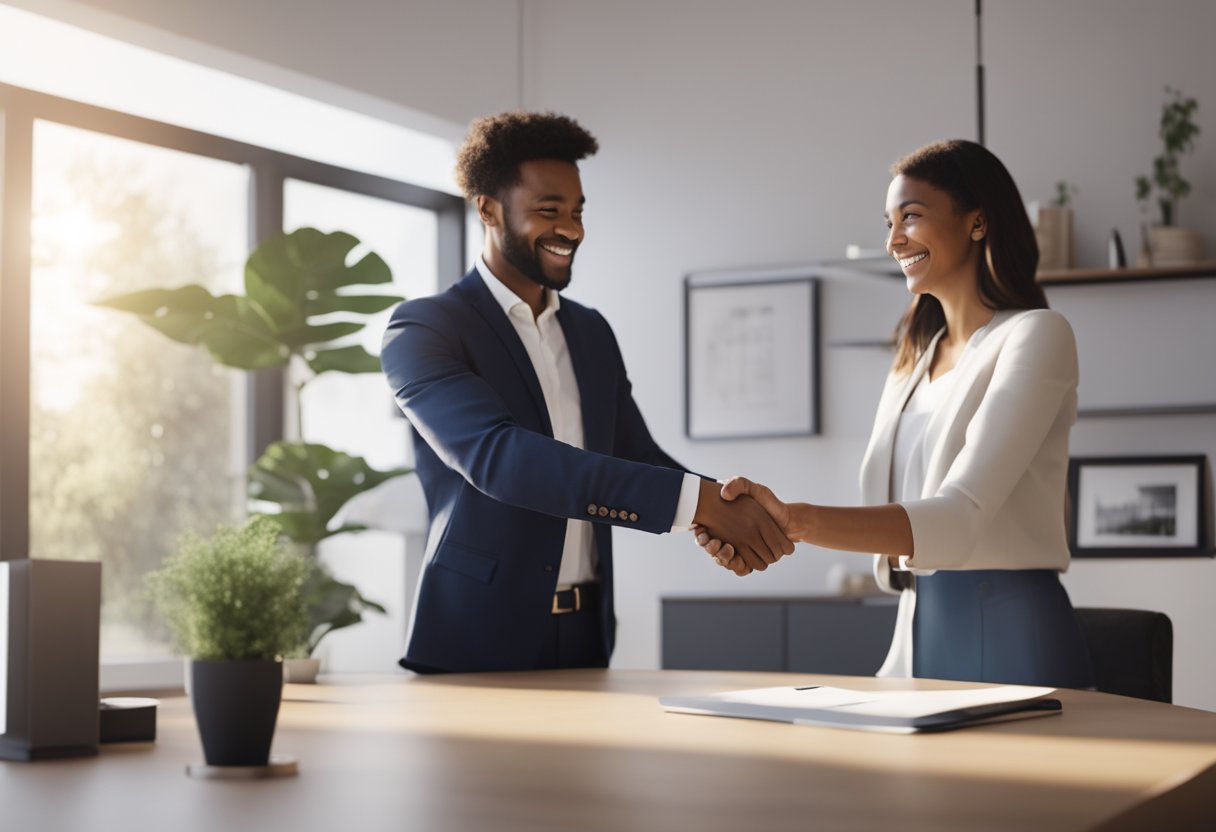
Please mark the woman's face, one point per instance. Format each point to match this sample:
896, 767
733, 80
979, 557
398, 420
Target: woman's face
937, 246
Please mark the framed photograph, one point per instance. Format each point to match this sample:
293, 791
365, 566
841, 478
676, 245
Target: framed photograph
751, 356
1138, 506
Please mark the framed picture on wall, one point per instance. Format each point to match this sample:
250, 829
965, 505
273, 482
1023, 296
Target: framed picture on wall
751, 356
1138, 506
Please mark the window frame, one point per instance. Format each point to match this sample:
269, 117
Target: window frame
269, 169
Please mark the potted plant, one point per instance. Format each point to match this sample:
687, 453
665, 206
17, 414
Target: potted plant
235, 603
1167, 243
1053, 230
301, 304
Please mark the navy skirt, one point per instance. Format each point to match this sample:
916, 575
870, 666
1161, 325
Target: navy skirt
1006, 626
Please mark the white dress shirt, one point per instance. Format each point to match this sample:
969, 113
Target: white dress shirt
545, 344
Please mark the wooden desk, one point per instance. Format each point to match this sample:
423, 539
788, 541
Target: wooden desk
591, 750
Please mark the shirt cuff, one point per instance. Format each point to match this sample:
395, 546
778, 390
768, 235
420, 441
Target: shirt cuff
686, 508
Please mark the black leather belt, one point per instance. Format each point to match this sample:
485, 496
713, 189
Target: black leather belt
575, 599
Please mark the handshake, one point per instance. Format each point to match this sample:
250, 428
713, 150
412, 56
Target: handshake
743, 525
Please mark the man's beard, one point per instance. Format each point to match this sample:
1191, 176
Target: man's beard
526, 260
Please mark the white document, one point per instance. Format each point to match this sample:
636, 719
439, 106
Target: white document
898, 711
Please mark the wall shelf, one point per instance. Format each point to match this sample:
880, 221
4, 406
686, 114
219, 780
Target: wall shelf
1147, 410
863, 343
1079, 277
882, 267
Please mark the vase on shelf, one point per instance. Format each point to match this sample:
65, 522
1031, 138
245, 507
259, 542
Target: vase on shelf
1053, 231
1167, 245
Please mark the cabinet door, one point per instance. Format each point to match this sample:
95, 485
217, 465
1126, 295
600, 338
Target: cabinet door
729, 635
849, 638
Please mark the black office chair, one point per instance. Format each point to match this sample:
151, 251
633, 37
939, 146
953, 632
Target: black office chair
1132, 651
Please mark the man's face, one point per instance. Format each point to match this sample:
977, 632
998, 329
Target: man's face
543, 222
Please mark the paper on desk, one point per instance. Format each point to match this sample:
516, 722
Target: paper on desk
875, 709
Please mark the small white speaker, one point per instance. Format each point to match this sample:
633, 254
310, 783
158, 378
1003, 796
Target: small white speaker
50, 618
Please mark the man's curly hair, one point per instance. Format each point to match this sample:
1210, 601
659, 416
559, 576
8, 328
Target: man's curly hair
488, 161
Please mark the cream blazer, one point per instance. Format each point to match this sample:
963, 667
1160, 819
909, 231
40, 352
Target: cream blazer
997, 450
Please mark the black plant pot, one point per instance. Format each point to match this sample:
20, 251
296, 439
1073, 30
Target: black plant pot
236, 704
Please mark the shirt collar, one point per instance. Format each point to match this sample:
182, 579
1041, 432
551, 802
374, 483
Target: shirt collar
507, 299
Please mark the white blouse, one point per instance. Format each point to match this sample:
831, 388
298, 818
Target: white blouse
908, 463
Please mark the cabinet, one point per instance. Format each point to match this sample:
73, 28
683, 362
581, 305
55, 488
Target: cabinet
831, 634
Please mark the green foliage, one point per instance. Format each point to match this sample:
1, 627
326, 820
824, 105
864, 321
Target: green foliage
239, 594
1064, 194
308, 483
290, 280
1178, 131
332, 605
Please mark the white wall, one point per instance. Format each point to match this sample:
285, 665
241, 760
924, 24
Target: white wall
737, 134
748, 134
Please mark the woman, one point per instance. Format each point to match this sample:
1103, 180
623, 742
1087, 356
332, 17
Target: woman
963, 483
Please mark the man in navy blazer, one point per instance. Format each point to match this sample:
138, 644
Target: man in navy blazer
528, 442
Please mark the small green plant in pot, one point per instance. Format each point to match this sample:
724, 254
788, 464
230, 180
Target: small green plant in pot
1166, 243
235, 603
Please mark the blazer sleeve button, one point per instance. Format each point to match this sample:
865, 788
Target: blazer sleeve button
592, 508
603, 512
633, 516
612, 514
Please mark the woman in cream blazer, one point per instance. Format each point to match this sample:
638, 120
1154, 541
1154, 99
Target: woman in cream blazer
963, 483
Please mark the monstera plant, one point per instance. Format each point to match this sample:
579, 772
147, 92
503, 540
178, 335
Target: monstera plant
290, 280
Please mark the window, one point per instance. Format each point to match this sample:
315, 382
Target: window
133, 438
123, 438
334, 404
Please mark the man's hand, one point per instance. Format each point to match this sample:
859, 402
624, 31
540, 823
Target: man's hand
755, 537
728, 555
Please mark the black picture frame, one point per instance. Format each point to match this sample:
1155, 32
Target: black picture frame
772, 390
1139, 507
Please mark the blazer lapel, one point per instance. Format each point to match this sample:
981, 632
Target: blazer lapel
596, 424
876, 466
941, 438
474, 289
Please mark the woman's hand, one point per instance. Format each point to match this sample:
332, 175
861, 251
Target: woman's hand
781, 513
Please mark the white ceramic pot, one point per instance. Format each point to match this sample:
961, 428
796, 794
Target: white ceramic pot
301, 671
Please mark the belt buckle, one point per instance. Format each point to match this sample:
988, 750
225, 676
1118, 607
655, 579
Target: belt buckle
578, 602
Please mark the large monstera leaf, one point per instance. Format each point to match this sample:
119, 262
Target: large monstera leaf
309, 483
233, 329
289, 280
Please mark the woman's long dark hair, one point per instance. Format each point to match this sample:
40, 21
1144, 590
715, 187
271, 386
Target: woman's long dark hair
973, 178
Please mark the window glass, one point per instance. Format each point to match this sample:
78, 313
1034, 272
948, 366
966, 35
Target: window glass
356, 413
133, 437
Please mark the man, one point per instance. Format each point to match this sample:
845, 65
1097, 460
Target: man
529, 444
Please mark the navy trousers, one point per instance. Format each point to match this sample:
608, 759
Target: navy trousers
1006, 626
575, 639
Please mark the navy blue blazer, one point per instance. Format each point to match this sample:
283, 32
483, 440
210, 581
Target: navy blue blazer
499, 488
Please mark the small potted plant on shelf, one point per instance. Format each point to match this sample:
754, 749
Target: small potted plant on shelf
235, 603
1053, 230
1166, 243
